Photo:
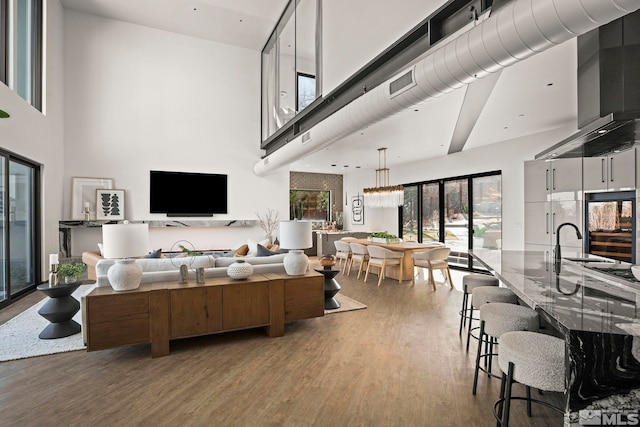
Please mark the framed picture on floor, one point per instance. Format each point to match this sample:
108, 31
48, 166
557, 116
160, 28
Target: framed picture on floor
83, 193
357, 210
110, 204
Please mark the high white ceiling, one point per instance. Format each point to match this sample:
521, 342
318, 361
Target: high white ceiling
532, 96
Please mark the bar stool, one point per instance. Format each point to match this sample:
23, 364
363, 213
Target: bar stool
360, 254
484, 295
534, 360
496, 319
470, 282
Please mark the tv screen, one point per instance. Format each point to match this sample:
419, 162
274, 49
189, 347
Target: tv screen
187, 194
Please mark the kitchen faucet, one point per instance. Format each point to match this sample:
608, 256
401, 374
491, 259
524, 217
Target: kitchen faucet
558, 255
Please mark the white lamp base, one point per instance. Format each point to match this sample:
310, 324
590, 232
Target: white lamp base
125, 275
296, 263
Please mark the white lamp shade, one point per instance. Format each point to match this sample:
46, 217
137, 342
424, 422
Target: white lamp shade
295, 235
125, 240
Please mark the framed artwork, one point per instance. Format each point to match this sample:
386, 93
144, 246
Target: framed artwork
110, 204
83, 193
357, 210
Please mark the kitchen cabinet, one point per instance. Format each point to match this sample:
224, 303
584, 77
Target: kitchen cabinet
553, 195
555, 179
614, 172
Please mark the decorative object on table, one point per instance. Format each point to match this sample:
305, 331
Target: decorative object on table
296, 236
109, 204
53, 269
122, 242
179, 262
71, 272
83, 190
200, 275
327, 261
331, 287
269, 223
383, 195
87, 211
357, 210
59, 310
240, 270
380, 237
4, 114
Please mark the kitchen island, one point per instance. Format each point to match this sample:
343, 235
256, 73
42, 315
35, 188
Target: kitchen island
598, 315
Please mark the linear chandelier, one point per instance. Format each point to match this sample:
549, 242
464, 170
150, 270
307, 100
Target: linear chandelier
383, 195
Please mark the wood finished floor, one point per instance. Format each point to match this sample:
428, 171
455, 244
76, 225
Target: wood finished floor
400, 362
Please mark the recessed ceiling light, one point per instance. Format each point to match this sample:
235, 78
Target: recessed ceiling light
506, 127
520, 115
357, 167
345, 166
549, 84
334, 165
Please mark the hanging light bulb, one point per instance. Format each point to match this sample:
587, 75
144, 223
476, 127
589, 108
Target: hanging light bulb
383, 195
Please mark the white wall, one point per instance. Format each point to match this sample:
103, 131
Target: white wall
138, 99
39, 137
508, 157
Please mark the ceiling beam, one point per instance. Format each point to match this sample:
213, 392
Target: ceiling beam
475, 98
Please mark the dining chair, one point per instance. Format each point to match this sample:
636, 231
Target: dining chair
360, 254
433, 259
383, 258
343, 254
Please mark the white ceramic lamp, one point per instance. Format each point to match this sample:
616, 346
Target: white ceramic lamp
122, 242
295, 235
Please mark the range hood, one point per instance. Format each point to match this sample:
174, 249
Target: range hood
608, 92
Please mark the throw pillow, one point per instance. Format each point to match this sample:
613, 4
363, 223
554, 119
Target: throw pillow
253, 246
242, 250
154, 254
262, 251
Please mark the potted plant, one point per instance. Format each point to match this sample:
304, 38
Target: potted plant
380, 237
71, 272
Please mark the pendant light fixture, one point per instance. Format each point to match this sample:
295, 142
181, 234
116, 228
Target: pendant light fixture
383, 195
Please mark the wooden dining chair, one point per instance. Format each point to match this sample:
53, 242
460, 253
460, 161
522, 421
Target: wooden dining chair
360, 254
383, 258
343, 254
433, 259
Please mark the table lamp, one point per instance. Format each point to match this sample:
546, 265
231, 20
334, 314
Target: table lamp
295, 235
122, 242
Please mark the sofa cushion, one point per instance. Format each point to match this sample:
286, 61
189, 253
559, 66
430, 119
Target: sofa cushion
271, 259
262, 251
242, 250
154, 254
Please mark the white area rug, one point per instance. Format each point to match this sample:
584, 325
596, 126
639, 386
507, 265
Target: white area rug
346, 304
19, 336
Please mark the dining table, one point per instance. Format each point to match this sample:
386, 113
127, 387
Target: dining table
406, 248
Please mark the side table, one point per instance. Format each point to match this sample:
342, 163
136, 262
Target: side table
331, 287
59, 310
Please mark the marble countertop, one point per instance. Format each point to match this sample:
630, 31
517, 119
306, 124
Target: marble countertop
575, 299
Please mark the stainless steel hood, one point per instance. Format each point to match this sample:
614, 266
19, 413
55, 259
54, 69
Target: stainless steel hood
608, 91
610, 134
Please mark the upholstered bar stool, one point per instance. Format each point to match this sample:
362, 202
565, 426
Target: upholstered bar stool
469, 283
484, 295
534, 360
496, 319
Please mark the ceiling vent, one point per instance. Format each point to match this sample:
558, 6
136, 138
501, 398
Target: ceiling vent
402, 83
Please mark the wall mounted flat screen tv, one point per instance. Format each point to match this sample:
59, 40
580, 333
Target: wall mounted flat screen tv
187, 194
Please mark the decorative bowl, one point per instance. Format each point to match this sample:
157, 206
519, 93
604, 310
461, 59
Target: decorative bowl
240, 270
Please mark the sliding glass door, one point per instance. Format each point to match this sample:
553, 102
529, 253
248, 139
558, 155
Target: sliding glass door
462, 212
19, 246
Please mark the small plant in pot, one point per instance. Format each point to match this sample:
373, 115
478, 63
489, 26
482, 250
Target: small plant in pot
71, 272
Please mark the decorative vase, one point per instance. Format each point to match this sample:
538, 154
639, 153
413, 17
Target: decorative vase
240, 270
